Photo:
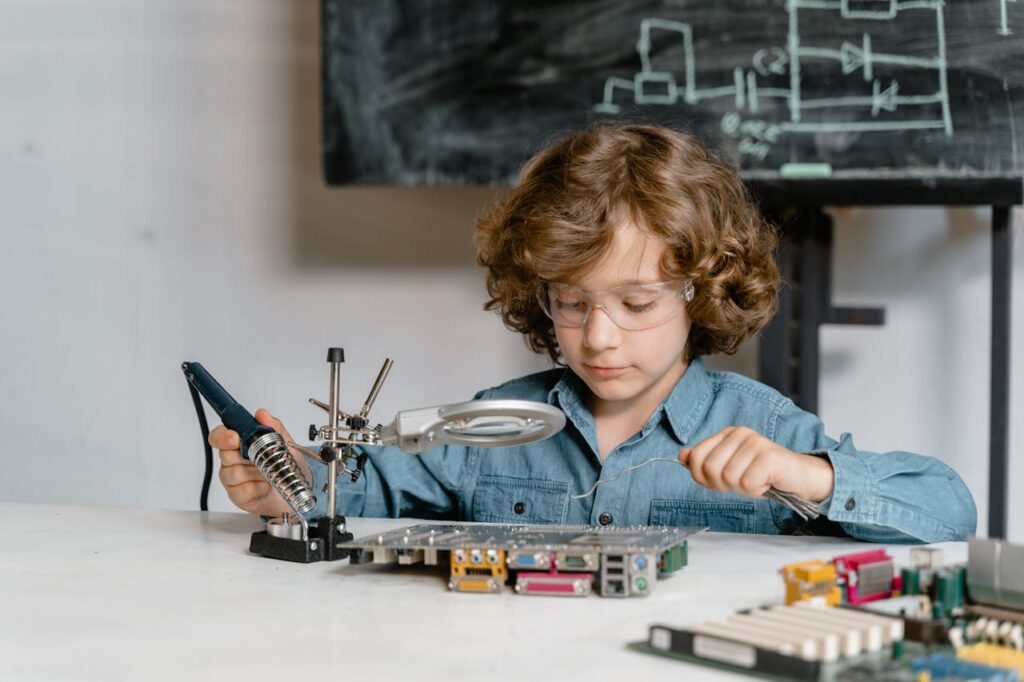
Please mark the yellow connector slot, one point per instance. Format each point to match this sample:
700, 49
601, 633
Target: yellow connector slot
994, 655
811, 579
474, 585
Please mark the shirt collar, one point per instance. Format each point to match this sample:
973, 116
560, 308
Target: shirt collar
568, 393
688, 403
684, 408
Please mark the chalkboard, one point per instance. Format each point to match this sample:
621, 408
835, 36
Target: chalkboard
428, 92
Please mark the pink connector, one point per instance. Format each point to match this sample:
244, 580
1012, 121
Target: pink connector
553, 583
866, 576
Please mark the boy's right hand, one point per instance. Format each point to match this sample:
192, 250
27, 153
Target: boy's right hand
245, 485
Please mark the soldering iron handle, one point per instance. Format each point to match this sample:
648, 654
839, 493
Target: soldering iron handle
231, 412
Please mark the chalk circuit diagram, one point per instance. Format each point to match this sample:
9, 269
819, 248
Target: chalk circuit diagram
784, 89
1004, 23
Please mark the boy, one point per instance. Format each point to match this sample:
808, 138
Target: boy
626, 254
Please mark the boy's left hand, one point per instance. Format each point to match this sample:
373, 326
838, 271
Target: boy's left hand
740, 460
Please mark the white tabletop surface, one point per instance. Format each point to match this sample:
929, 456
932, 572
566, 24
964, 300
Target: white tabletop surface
132, 594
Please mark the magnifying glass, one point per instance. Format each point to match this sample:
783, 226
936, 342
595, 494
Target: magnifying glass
479, 423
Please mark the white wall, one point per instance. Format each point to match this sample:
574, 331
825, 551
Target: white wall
162, 201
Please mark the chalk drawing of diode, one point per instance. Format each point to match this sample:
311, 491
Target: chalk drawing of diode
788, 76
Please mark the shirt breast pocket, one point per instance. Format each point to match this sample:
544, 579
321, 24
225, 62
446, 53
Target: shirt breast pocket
508, 499
727, 517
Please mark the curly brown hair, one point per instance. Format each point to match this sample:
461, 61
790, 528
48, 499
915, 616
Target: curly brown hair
561, 216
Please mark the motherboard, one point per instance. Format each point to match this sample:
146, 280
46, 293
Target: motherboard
572, 561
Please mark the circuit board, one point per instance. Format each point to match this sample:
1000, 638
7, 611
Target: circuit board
894, 661
855, 618
536, 559
863, 668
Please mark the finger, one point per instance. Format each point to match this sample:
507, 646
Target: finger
249, 496
716, 461
232, 476
747, 445
223, 438
694, 459
757, 478
744, 445
229, 458
696, 455
709, 452
264, 417
736, 467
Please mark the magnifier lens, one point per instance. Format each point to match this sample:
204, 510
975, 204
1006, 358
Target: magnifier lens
477, 423
493, 427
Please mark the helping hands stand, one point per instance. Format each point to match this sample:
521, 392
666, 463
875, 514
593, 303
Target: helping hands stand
323, 539
476, 423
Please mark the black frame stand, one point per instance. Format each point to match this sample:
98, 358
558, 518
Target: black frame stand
789, 352
327, 534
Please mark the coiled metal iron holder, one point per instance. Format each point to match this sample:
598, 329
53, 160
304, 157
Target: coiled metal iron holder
480, 423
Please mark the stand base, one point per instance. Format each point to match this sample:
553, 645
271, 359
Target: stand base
326, 535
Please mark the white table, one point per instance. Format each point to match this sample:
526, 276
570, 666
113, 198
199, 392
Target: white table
129, 594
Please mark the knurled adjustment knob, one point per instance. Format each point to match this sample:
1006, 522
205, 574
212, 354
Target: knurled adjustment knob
313, 432
328, 454
360, 463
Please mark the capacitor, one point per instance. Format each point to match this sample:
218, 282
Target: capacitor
911, 578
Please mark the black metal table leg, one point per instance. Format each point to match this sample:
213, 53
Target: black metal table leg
999, 421
783, 364
778, 337
790, 349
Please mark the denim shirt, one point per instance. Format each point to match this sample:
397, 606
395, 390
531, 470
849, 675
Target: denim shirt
890, 497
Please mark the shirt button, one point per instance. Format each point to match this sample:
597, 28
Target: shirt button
605, 519
851, 504
519, 508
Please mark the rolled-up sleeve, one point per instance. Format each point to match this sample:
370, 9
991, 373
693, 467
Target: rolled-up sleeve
882, 497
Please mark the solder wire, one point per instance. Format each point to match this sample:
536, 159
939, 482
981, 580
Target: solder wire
806, 509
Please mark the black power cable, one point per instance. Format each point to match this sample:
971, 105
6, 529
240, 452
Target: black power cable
205, 428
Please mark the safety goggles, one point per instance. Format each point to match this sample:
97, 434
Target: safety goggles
632, 306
